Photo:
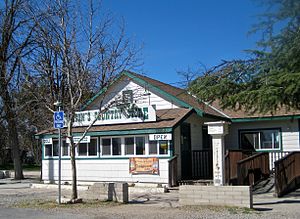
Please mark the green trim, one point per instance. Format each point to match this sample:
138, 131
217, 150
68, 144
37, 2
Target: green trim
43, 150
273, 118
118, 132
102, 91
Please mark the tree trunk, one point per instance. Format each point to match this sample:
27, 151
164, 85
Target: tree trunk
13, 138
73, 161
14, 145
74, 173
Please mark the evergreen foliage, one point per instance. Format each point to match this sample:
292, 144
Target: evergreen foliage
271, 78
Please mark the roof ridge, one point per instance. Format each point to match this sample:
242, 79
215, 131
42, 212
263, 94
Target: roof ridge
163, 83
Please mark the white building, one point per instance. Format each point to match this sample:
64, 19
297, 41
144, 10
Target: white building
134, 142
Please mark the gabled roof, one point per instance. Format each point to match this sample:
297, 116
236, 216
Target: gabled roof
181, 98
176, 95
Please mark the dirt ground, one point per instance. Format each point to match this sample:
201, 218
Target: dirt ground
18, 200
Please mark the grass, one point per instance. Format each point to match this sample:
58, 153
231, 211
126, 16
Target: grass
44, 204
28, 167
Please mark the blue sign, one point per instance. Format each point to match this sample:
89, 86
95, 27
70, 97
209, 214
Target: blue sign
58, 119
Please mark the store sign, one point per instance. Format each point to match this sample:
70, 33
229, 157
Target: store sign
47, 141
116, 115
76, 139
139, 165
160, 137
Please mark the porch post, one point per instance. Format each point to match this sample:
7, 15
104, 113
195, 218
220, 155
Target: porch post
218, 130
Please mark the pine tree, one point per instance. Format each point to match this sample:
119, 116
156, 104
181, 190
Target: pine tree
271, 78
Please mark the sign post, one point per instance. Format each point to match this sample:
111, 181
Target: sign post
218, 130
58, 119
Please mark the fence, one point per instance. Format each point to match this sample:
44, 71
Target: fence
202, 164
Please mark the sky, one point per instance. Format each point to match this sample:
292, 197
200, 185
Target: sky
178, 34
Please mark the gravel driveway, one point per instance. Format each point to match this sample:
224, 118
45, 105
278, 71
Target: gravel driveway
141, 206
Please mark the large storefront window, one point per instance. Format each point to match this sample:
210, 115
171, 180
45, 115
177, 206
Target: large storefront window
83, 149
128, 146
133, 146
268, 139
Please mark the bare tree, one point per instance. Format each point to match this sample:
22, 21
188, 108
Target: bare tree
80, 51
16, 41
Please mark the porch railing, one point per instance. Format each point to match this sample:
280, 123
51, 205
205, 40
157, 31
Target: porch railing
173, 171
231, 159
253, 169
276, 155
202, 164
287, 173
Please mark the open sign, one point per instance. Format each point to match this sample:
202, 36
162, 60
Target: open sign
160, 137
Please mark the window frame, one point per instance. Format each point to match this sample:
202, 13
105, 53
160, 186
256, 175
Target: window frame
259, 131
69, 149
123, 149
125, 95
87, 149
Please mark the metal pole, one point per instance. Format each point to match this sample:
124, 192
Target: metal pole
59, 164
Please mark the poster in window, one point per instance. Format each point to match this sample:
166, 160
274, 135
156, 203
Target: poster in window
138, 165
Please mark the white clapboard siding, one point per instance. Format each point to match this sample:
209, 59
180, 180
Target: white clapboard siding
140, 96
107, 170
289, 129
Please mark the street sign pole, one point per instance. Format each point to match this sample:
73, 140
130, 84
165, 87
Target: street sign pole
59, 124
59, 164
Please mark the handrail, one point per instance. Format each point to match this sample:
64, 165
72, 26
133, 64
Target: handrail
252, 157
252, 169
173, 171
172, 158
285, 157
287, 173
231, 159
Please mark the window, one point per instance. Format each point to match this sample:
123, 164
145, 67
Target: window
158, 146
152, 147
116, 146
48, 150
140, 145
268, 139
88, 149
93, 145
55, 147
129, 146
133, 146
111, 146
163, 147
65, 148
106, 146
127, 96
51, 150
